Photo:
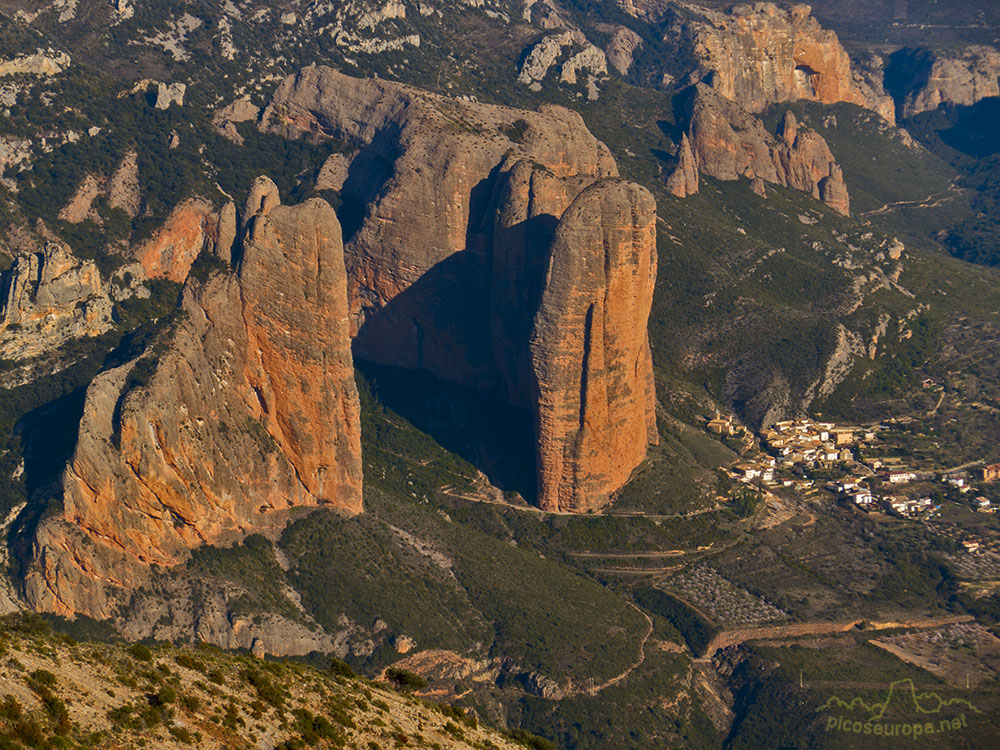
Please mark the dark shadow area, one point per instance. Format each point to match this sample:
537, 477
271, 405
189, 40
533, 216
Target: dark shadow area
974, 130
481, 427
904, 71
49, 434
351, 214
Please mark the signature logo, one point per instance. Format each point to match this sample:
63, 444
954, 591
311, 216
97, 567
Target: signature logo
927, 711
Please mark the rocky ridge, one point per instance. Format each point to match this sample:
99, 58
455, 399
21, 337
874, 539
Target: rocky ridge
47, 298
758, 55
456, 293
244, 411
930, 78
725, 142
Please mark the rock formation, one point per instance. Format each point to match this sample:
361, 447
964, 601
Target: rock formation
684, 179
727, 143
455, 291
244, 410
121, 191
924, 79
42, 63
761, 55
543, 56
192, 226
168, 94
48, 298
621, 47
593, 370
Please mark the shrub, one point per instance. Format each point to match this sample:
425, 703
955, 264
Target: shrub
166, 696
141, 652
405, 680
340, 668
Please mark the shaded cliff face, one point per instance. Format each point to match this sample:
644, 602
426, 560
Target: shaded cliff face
595, 413
923, 79
48, 298
450, 256
246, 410
726, 142
423, 181
761, 55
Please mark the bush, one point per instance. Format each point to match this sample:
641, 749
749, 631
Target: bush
530, 740
166, 696
141, 652
340, 668
405, 680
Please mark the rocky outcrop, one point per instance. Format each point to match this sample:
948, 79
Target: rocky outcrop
48, 298
758, 55
623, 43
192, 226
455, 205
226, 118
728, 142
243, 412
168, 94
923, 79
684, 179
595, 407
121, 191
544, 54
42, 63
123, 187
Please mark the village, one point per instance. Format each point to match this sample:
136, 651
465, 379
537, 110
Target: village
846, 462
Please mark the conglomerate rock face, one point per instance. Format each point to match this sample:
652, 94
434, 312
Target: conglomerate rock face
448, 258
596, 401
761, 55
47, 298
244, 411
932, 78
726, 142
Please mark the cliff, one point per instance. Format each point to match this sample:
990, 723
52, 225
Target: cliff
923, 79
192, 226
758, 55
242, 412
454, 205
595, 413
47, 298
726, 142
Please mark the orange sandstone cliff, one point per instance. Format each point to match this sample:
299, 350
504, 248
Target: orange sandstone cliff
245, 410
451, 211
596, 401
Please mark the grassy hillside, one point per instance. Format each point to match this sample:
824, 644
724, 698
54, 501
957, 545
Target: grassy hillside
61, 693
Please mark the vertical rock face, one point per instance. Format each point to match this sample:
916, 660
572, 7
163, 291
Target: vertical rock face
926, 79
593, 372
425, 180
684, 179
171, 251
48, 298
244, 411
761, 55
727, 143
455, 207
531, 201
122, 190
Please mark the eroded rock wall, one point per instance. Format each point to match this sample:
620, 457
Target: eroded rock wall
762, 54
726, 142
593, 372
47, 298
448, 263
244, 411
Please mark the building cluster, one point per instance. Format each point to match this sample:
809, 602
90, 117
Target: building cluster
809, 443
